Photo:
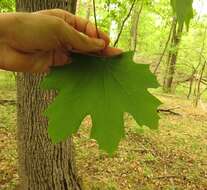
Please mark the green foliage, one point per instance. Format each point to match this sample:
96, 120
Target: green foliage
183, 10
7, 5
104, 88
7, 81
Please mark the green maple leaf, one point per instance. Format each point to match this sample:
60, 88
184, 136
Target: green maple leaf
105, 88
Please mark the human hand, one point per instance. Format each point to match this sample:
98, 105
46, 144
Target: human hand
32, 42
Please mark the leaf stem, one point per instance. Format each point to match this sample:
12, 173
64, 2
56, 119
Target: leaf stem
94, 13
123, 23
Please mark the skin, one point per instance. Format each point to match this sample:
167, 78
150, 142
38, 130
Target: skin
33, 42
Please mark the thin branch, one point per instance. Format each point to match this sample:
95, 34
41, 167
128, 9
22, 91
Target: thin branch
134, 33
166, 176
169, 110
9, 102
198, 88
166, 45
202, 70
123, 23
195, 70
200, 79
94, 13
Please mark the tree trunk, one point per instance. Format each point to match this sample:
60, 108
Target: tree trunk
173, 54
134, 26
42, 165
88, 9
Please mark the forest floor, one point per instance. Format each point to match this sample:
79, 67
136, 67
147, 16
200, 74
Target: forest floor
171, 158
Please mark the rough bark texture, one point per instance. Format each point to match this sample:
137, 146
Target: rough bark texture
42, 165
34, 5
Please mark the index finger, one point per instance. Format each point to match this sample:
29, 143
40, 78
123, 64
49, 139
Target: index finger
86, 27
79, 23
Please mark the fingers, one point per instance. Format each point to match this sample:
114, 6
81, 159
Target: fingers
13, 60
111, 51
53, 58
107, 52
89, 29
71, 38
60, 58
79, 23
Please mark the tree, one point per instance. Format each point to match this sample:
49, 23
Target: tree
134, 25
42, 165
198, 86
172, 56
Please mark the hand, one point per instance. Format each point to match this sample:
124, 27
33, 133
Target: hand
33, 42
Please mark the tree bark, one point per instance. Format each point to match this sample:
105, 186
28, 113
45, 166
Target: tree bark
134, 26
165, 49
42, 165
173, 54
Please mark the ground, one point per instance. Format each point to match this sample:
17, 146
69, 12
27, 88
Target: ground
171, 158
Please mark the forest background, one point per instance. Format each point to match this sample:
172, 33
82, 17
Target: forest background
172, 157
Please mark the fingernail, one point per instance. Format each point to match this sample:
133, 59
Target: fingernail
110, 51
